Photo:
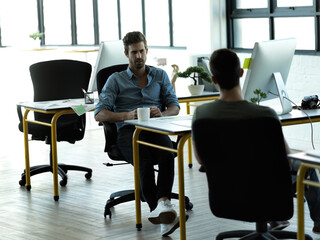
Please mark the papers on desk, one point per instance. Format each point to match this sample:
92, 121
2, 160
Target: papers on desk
82, 109
184, 121
78, 105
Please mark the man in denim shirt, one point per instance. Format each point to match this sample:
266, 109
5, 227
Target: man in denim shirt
123, 93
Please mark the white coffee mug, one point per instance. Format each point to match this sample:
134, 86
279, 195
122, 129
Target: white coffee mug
143, 114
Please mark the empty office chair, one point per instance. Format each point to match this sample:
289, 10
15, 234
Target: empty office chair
247, 172
114, 153
54, 80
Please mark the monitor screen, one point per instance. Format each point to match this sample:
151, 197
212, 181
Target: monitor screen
110, 53
210, 87
268, 70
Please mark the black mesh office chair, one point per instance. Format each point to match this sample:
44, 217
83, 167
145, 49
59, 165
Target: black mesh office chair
114, 153
54, 80
247, 172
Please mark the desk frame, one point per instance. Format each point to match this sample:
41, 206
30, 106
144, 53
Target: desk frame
188, 101
53, 125
301, 181
184, 137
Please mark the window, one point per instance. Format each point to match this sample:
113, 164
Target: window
108, 20
253, 21
84, 18
301, 28
157, 22
250, 30
131, 16
294, 3
18, 23
180, 28
57, 22
248, 4
88, 22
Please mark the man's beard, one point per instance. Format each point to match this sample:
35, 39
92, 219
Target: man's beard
139, 64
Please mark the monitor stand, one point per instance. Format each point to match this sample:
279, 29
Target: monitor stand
286, 106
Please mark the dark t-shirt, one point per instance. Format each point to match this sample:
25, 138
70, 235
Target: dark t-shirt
232, 110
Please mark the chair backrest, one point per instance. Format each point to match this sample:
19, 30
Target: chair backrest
105, 73
247, 168
61, 79
110, 129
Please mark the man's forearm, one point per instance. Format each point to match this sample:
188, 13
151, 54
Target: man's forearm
171, 111
109, 116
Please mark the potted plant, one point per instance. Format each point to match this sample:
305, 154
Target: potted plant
37, 38
195, 72
259, 96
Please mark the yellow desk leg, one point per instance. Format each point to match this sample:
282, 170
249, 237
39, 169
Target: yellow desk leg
26, 149
182, 212
189, 141
54, 156
135, 146
189, 153
300, 202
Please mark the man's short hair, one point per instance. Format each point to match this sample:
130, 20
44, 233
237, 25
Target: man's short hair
133, 37
225, 67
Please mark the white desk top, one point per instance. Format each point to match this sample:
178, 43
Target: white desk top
172, 124
307, 157
299, 115
77, 105
187, 95
176, 124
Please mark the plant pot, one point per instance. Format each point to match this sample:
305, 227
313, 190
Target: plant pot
196, 89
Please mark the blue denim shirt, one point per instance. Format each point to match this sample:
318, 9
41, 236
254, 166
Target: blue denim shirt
122, 93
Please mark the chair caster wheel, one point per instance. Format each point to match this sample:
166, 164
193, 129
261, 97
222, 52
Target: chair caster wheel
107, 212
88, 175
22, 183
189, 206
63, 182
56, 198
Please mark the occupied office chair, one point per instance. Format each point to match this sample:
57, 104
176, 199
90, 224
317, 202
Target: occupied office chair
247, 172
114, 153
54, 80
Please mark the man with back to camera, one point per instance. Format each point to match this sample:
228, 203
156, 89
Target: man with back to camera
143, 86
226, 71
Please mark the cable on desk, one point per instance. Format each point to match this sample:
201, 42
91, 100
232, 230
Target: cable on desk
299, 108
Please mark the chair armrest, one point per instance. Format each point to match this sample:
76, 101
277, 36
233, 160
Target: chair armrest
19, 111
110, 134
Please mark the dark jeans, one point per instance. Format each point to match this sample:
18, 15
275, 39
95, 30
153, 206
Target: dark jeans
148, 157
312, 195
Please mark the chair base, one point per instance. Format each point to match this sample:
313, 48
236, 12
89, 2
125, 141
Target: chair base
261, 232
62, 171
128, 195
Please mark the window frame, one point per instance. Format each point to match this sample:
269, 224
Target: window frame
272, 12
73, 17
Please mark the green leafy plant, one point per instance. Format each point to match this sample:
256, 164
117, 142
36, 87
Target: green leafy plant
259, 96
195, 72
36, 35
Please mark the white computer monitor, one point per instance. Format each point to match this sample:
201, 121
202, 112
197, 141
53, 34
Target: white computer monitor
268, 70
110, 53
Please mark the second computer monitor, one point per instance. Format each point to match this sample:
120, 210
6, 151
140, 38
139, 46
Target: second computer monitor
268, 70
110, 53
